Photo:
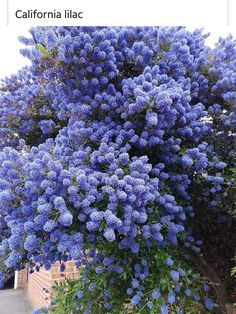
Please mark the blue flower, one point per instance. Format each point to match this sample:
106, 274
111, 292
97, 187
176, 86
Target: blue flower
62, 267
209, 304
31, 243
107, 305
171, 298
188, 292
129, 291
174, 275
135, 283
109, 260
124, 158
150, 304
80, 294
144, 262
196, 297
169, 262
118, 269
66, 219
92, 286
99, 269
60, 204
164, 309
107, 294
136, 299
152, 119
109, 234
52, 39
156, 294
177, 288
49, 225
187, 161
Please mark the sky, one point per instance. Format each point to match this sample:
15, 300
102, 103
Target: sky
11, 60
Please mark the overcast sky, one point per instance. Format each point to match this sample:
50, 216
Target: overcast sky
11, 60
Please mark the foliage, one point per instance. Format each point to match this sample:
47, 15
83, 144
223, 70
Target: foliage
169, 286
233, 273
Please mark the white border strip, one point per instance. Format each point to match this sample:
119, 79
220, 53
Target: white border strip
125, 12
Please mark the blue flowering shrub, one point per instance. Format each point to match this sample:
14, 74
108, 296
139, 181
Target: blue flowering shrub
160, 282
108, 142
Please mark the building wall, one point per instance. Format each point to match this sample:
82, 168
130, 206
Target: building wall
36, 283
21, 278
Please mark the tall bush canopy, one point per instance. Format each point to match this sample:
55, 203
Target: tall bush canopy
110, 141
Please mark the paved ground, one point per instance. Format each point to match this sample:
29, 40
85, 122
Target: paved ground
14, 302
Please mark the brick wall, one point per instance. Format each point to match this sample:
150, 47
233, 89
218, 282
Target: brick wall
36, 282
45, 279
22, 278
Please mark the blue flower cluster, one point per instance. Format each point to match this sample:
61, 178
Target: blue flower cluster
110, 137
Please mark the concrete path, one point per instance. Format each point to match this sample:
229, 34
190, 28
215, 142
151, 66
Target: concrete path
14, 302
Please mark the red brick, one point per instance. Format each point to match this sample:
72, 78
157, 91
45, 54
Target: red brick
45, 279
